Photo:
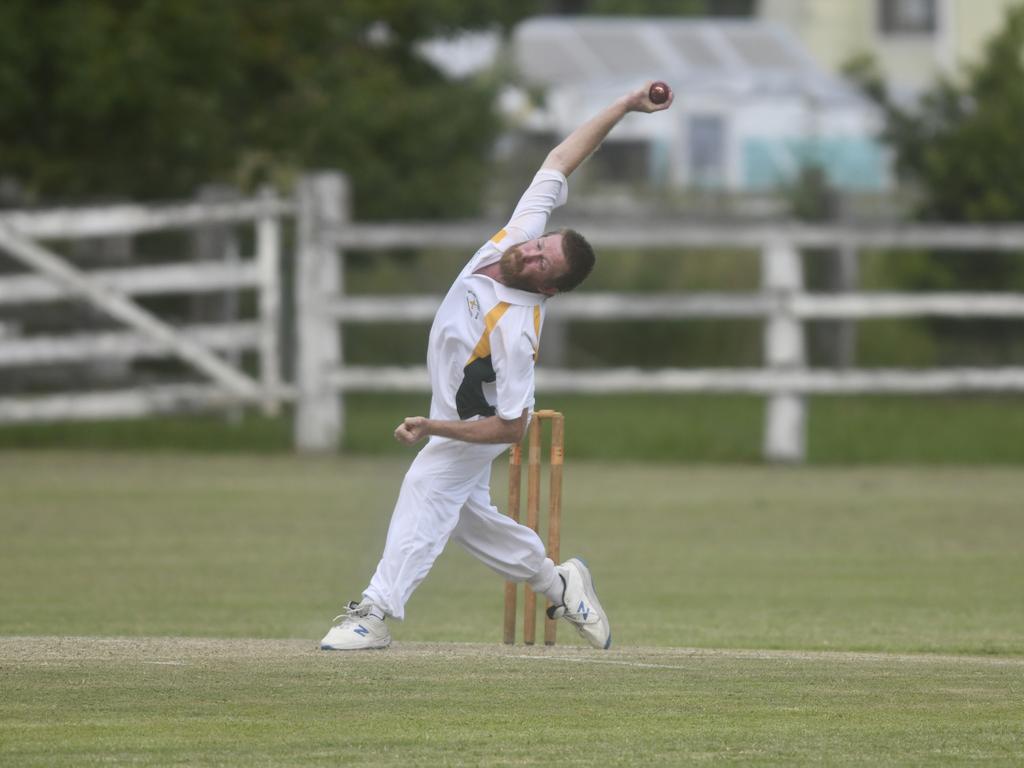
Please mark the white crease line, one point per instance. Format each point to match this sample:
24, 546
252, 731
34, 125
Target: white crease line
77, 659
640, 664
782, 656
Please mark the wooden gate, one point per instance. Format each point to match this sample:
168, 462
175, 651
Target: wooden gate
211, 350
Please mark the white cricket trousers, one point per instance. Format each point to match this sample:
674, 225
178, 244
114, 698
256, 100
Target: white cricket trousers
446, 494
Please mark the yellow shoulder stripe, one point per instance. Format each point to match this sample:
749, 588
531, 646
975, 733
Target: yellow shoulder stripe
483, 347
499, 237
536, 330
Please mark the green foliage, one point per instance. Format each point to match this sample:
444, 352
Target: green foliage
971, 157
960, 148
811, 197
961, 143
151, 99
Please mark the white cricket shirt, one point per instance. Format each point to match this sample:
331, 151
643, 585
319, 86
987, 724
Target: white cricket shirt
485, 336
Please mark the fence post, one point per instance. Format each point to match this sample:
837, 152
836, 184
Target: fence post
213, 242
785, 417
849, 280
323, 202
268, 259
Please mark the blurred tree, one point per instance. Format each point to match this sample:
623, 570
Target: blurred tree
960, 149
151, 99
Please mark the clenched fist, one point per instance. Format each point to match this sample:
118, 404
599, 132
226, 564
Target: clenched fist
411, 430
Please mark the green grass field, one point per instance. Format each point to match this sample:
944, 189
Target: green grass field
164, 610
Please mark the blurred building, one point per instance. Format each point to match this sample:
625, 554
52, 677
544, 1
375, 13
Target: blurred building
761, 99
914, 41
753, 110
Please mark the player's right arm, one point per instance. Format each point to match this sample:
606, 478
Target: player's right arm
549, 187
582, 142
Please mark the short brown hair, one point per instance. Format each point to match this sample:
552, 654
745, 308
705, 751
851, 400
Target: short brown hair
579, 257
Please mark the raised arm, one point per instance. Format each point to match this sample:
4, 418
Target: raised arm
582, 142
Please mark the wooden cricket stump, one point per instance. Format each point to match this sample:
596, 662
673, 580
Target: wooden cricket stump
556, 457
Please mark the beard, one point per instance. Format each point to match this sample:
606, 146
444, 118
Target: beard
511, 267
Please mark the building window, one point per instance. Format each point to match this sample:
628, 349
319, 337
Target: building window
707, 151
907, 17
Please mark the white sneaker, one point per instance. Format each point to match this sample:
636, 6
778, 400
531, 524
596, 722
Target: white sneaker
580, 606
356, 630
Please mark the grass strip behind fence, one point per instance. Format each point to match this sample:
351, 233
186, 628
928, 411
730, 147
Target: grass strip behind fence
661, 428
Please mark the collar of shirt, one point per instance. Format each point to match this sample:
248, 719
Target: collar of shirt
517, 296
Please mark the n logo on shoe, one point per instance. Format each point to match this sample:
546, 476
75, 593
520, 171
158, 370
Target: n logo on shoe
583, 610
361, 630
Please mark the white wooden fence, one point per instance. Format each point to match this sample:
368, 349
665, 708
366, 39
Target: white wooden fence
325, 232
322, 377
50, 277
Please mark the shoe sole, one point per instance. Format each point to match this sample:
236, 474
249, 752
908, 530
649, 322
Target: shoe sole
363, 648
592, 594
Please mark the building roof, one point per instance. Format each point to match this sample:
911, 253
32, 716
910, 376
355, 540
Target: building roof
733, 55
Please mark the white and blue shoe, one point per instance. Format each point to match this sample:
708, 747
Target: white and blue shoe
580, 606
357, 629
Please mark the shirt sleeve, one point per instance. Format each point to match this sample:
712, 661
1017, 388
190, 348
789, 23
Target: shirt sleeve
548, 190
512, 355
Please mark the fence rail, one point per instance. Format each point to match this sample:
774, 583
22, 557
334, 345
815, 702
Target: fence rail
782, 304
751, 381
680, 306
139, 281
414, 234
129, 403
76, 223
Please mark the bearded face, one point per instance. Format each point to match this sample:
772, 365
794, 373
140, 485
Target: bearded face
512, 267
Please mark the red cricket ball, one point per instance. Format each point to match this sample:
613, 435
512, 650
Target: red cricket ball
658, 93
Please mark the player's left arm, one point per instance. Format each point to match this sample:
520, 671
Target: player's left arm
512, 355
490, 429
581, 143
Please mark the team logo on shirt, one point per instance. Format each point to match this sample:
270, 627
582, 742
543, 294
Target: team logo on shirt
473, 304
